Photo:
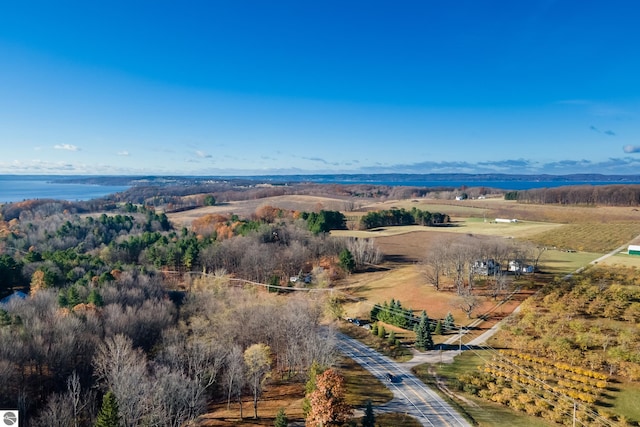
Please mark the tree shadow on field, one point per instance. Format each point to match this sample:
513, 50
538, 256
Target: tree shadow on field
398, 259
456, 346
373, 269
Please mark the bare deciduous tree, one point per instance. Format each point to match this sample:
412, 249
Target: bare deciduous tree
234, 376
468, 303
364, 251
433, 266
124, 370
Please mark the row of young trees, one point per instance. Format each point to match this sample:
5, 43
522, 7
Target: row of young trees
423, 327
393, 313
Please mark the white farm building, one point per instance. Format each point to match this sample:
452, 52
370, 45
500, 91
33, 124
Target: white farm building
506, 220
633, 250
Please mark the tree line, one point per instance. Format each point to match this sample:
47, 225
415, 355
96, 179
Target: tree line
607, 195
395, 217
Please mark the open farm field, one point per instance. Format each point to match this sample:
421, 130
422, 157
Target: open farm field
521, 230
246, 208
492, 208
431, 205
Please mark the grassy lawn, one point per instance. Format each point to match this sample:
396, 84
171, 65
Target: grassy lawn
485, 414
560, 263
626, 401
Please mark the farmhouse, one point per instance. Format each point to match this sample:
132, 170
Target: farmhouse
633, 250
485, 267
518, 266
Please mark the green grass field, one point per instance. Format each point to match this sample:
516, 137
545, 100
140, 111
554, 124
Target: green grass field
627, 401
560, 263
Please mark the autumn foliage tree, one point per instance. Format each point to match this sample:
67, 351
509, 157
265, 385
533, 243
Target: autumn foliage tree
328, 406
257, 359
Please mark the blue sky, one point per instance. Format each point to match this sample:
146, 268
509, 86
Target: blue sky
289, 87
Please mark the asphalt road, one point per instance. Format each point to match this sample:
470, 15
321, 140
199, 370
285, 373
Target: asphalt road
411, 396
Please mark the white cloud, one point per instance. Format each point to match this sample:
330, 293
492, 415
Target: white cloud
68, 147
631, 148
123, 153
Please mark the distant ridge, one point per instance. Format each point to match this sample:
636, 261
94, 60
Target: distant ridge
378, 179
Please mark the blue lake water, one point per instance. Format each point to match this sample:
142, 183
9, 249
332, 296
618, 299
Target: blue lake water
17, 188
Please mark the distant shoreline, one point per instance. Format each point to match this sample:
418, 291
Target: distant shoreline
15, 188
392, 179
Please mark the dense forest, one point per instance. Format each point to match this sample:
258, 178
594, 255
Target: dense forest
120, 303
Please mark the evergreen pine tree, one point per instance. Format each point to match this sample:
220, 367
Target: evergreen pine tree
95, 298
438, 330
73, 297
428, 342
423, 333
346, 260
369, 419
281, 419
448, 322
374, 312
108, 415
